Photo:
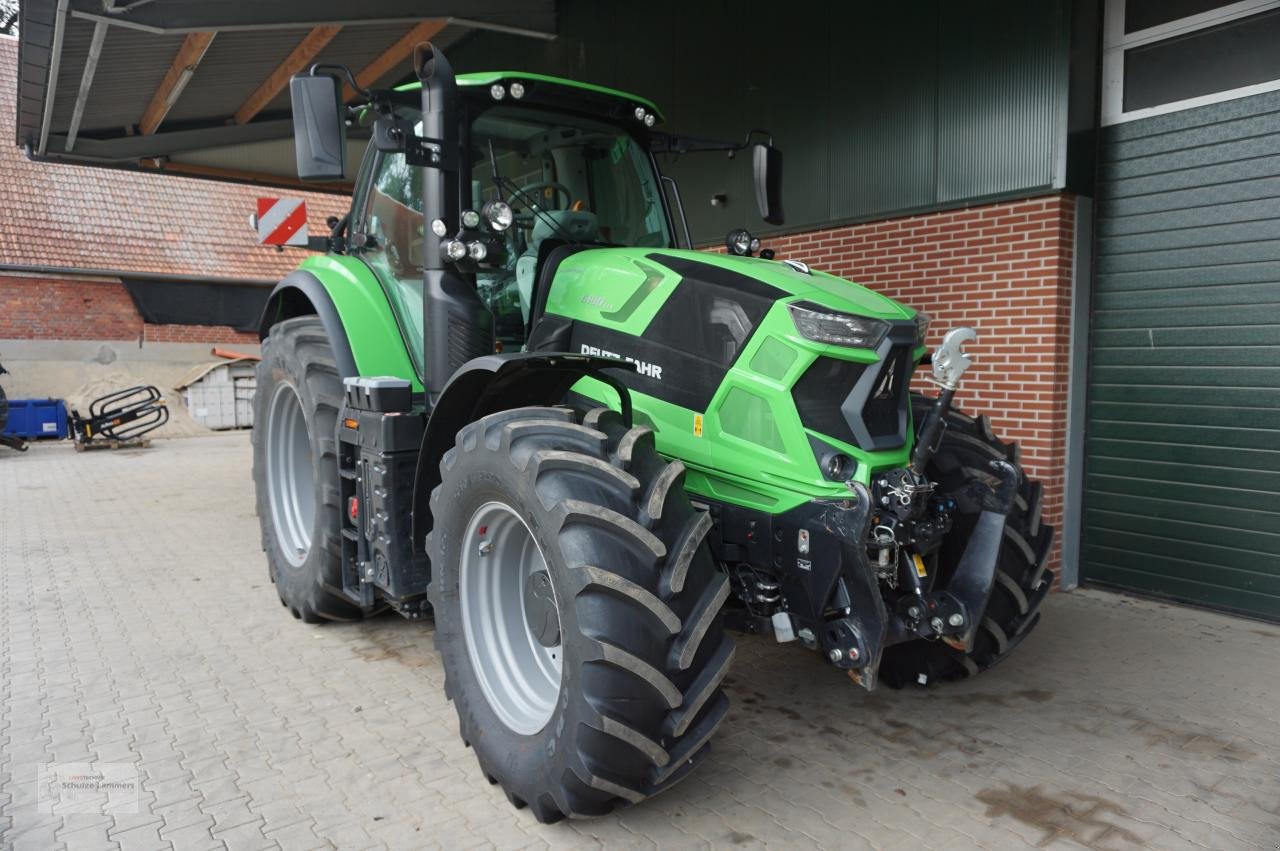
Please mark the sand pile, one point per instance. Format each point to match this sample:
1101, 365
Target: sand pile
99, 380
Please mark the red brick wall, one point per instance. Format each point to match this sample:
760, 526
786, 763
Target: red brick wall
1004, 269
33, 308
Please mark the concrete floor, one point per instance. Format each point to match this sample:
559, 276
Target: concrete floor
140, 633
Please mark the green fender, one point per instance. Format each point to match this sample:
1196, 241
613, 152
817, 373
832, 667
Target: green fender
347, 297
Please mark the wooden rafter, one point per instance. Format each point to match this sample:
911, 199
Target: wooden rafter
166, 95
298, 59
393, 56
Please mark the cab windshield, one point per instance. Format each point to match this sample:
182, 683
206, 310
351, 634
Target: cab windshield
569, 180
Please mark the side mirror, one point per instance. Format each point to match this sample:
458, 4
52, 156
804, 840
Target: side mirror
767, 165
319, 131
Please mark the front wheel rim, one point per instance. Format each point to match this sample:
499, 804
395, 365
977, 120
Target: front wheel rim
504, 584
291, 478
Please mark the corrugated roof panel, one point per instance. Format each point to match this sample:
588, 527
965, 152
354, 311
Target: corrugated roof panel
132, 66
356, 47
234, 66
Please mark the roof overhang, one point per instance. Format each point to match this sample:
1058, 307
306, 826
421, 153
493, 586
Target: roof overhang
201, 86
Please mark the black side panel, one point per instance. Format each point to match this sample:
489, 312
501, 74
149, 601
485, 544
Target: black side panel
302, 294
661, 371
720, 277
694, 339
551, 334
817, 392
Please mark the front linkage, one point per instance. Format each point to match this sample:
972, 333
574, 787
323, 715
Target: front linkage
848, 577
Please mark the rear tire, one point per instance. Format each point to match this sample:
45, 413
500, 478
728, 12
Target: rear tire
295, 470
637, 594
1021, 582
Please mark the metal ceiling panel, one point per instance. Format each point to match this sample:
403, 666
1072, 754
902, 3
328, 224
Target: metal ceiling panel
132, 65
525, 17
232, 69
253, 38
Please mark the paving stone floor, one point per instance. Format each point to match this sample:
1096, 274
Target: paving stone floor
139, 631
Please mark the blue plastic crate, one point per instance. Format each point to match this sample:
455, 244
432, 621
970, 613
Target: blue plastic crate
36, 418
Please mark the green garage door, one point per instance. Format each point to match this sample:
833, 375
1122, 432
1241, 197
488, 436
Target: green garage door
1182, 490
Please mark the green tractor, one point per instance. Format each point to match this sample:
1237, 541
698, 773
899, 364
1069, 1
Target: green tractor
506, 398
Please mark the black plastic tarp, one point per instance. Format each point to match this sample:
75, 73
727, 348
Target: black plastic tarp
193, 303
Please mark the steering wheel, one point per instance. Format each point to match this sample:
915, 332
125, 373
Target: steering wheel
559, 188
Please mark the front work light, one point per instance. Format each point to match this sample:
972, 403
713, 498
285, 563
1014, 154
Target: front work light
498, 214
741, 243
453, 249
821, 325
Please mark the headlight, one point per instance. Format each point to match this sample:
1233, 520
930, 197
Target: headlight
470, 219
837, 466
922, 327
477, 251
497, 92
839, 329
498, 215
517, 90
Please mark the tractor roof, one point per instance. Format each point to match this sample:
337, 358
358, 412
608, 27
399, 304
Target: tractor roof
488, 78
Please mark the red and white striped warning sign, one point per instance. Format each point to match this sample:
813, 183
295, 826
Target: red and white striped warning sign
282, 221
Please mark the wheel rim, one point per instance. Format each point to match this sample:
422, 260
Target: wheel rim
291, 475
510, 618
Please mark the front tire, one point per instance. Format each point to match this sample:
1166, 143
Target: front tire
1021, 581
605, 686
295, 470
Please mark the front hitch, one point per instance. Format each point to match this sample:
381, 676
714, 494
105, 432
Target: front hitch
976, 572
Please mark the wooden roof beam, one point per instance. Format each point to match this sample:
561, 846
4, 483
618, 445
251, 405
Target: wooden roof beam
175, 80
299, 58
393, 56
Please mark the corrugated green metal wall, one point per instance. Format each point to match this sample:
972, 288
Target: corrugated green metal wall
880, 108
1182, 492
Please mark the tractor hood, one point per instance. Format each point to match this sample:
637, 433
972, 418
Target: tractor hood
608, 273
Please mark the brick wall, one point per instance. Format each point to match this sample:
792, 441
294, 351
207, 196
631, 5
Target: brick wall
1004, 269
36, 308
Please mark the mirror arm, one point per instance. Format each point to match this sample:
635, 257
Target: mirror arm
670, 143
346, 72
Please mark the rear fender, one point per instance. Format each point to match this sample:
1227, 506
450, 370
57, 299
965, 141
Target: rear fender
302, 294
495, 383
344, 294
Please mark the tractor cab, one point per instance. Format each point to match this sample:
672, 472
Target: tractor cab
529, 169
546, 164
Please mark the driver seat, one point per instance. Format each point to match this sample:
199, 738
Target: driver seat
578, 225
